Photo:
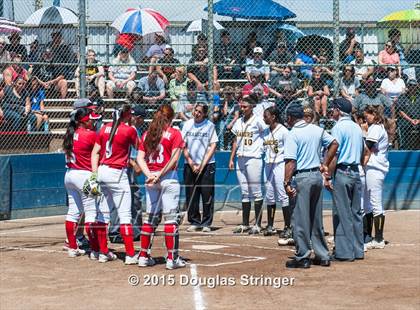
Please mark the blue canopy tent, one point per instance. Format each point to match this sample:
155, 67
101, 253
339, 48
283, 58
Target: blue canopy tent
251, 9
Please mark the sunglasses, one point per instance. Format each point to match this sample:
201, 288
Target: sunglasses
317, 71
347, 70
388, 45
257, 54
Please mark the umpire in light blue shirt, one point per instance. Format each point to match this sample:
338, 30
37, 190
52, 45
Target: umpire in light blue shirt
347, 188
302, 154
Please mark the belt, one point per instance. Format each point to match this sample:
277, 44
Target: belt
354, 167
307, 170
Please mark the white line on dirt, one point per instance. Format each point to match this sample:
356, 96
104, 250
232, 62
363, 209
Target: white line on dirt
20, 231
198, 297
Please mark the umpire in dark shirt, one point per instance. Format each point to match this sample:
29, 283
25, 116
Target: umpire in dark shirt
302, 154
347, 212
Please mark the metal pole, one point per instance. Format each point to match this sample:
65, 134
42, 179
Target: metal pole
82, 48
336, 20
210, 42
107, 42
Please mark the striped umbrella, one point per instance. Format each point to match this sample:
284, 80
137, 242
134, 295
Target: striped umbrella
140, 21
52, 15
200, 25
7, 26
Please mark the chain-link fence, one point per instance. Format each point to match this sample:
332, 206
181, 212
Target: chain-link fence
286, 50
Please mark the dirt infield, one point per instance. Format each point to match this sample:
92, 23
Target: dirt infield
37, 274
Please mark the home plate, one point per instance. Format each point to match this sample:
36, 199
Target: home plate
208, 247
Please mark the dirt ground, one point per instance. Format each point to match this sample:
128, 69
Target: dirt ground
35, 273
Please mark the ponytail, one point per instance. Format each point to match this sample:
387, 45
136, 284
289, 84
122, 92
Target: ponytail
117, 116
75, 117
162, 118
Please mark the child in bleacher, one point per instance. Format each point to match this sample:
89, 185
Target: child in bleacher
37, 97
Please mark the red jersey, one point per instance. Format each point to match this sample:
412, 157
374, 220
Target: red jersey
116, 156
247, 89
83, 142
171, 139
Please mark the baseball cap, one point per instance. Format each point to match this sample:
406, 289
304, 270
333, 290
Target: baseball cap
281, 44
83, 103
343, 105
138, 110
393, 68
258, 50
94, 115
295, 109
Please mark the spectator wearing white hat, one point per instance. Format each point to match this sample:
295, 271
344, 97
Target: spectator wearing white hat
257, 64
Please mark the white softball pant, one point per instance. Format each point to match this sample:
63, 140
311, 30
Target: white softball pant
78, 201
163, 197
363, 189
249, 172
274, 184
373, 192
116, 194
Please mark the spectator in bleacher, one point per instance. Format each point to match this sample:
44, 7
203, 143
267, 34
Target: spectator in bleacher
319, 91
185, 106
278, 58
37, 97
167, 72
225, 115
393, 86
251, 43
394, 35
199, 71
363, 67
256, 80
14, 47
349, 84
327, 71
15, 70
305, 60
35, 52
125, 40
156, 51
408, 113
16, 107
257, 64
389, 55
4, 57
286, 89
348, 46
226, 54
178, 87
95, 74
63, 53
121, 74
153, 88
370, 96
201, 43
51, 75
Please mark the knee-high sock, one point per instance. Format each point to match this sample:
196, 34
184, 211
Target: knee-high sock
126, 231
246, 211
287, 215
102, 238
71, 234
145, 238
379, 222
258, 212
93, 238
271, 211
171, 240
367, 226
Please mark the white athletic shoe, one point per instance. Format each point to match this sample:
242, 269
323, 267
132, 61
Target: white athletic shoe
206, 229
94, 255
241, 229
75, 252
103, 258
146, 261
285, 241
193, 228
255, 230
174, 264
377, 245
131, 260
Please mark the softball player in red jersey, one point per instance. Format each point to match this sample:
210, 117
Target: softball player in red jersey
115, 139
78, 144
248, 146
159, 150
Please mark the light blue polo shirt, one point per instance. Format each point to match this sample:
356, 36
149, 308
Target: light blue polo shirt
350, 139
304, 144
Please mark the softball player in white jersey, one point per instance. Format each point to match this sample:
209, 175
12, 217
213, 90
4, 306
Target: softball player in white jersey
78, 144
248, 147
274, 138
377, 166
